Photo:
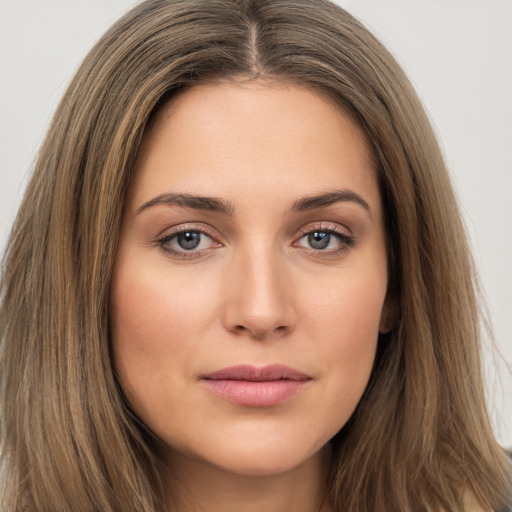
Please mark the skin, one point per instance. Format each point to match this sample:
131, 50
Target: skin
254, 291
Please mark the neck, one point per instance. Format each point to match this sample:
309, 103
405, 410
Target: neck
198, 486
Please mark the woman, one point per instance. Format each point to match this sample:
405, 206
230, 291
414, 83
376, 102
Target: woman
239, 281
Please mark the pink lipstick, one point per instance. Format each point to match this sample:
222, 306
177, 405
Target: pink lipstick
256, 387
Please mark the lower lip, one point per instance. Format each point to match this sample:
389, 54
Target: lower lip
255, 394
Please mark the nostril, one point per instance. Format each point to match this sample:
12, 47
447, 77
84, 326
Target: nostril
259, 333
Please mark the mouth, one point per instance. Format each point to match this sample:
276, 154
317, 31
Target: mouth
250, 386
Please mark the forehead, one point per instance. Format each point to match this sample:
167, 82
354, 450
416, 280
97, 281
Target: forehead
260, 136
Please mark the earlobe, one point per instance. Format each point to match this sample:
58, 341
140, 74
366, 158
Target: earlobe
388, 316
384, 327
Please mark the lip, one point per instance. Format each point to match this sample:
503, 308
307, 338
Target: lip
251, 386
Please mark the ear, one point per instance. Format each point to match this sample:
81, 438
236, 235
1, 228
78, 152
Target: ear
389, 315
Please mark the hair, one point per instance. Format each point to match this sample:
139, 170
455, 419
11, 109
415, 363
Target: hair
420, 438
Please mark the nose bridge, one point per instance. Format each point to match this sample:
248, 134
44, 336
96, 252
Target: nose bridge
259, 303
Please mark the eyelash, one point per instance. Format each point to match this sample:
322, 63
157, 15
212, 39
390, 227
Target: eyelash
163, 242
346, 240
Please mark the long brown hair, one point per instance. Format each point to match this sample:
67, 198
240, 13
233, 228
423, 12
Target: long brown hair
420, 437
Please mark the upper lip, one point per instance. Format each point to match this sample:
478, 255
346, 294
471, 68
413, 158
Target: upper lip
254, 374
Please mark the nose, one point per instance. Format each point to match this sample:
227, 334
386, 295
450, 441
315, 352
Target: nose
259, 300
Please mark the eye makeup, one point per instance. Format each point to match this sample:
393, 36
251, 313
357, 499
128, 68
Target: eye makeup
195, 241
325, 239
188, 241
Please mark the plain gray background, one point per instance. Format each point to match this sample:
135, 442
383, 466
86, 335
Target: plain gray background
458, 54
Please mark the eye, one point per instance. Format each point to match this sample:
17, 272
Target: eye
329, 240
187, 242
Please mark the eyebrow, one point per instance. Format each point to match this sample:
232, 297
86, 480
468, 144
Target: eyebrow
211, 204
214, 204
329, 198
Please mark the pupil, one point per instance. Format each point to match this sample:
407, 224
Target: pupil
319, 239
188, 240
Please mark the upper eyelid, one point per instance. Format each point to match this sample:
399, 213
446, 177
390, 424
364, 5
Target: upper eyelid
214, 234
179, 228
325, 226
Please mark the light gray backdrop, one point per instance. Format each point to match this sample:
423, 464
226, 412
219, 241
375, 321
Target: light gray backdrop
458, 54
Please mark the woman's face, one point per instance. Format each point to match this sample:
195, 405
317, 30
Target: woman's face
250, 278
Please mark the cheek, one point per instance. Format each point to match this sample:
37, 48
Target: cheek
345, 312
345, 322
157, 323
150, 307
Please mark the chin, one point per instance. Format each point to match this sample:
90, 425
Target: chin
257, 456
271, 462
